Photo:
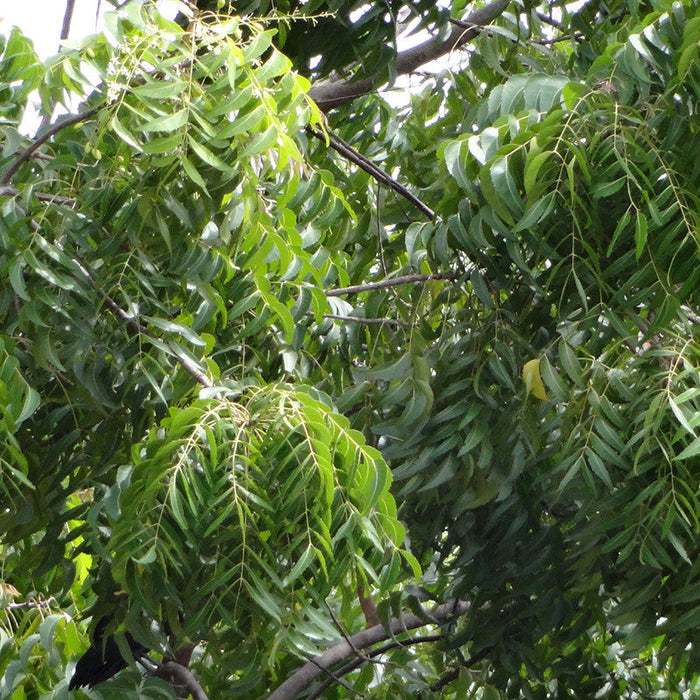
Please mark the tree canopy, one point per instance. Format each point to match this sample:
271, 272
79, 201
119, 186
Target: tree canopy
316, 391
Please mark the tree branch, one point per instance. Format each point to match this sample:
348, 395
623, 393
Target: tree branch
356, 663
41, 140
10, 191
391, 282
369, 320
172, 671
354, 156
67, 18
331, 93
453, 674
189, 366
343, 650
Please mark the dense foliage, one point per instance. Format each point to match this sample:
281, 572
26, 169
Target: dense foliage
240, 379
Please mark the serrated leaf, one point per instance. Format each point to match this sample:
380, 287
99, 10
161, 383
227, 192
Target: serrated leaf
124, 134
261, 143
640, 233
691, 451
162, 144
260, 43
275, 66
160, 90
301, 565
531, 179
208, 157
168, 122
247, 122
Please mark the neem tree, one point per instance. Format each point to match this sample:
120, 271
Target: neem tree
237, 334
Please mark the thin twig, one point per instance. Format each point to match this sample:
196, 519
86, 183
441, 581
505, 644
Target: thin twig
576, 36
112, 305
333, 677
380, 244
342, 631
465, 24
391, 282
362, 162
356, 663
34, 603
454, 673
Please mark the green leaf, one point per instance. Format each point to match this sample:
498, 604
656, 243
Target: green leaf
260, 43
275, 66
168, 122
261, 142
208, 157
532, 180
301, 565
160, 90
192, 173
691, 450
162, 144
640, 234
124, 133
244, 124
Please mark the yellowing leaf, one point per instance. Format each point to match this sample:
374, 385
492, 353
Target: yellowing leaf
533, 379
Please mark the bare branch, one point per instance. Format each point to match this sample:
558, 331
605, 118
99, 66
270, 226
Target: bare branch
343, 650
67, 18
549, 20
369, 609
391, 282
333, 677
354, 156
334, 93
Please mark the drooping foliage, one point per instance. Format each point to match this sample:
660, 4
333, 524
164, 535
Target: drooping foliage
211, 410
320, 38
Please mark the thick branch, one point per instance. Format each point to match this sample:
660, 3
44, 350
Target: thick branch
343, 650
391, 282
334, 93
